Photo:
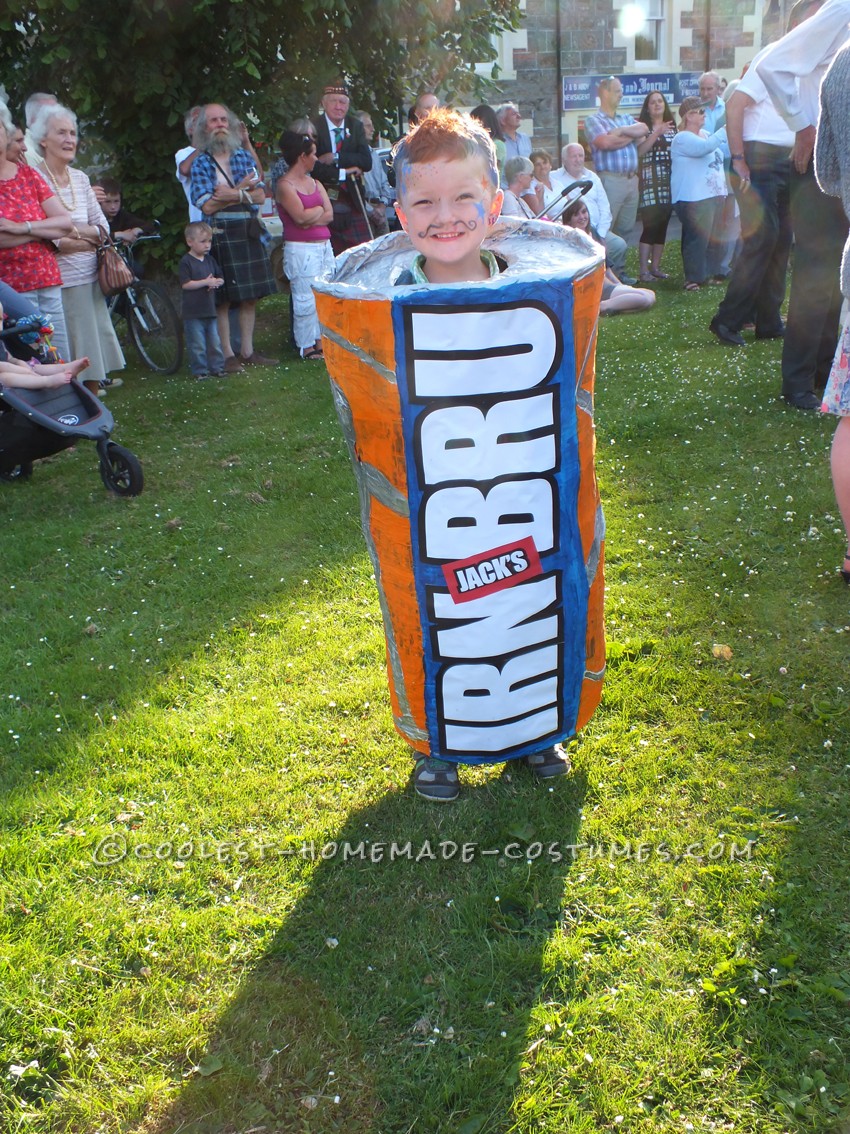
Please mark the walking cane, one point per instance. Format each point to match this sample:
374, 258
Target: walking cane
355, 182
584, 186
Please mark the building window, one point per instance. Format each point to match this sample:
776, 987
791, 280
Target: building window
640, 29
648, 41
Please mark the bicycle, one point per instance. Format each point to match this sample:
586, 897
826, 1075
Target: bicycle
153, 324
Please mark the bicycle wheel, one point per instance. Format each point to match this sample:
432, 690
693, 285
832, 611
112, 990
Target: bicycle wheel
155, 327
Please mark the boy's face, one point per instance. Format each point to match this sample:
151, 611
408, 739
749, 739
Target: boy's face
199, 243
111, 205
446, 208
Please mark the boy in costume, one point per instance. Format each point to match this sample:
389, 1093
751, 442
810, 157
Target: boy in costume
469, 458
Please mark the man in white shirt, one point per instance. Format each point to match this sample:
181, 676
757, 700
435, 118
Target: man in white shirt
184, 175
791, 70
598, 206
760, 144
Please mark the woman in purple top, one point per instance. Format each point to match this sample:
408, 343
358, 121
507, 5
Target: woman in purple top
305, 211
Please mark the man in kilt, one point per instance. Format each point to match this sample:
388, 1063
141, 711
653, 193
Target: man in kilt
343, 157
227, 188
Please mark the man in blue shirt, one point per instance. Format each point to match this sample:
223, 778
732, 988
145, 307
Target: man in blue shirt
715, 107
613, 140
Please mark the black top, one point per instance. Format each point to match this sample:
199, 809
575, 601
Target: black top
198, 302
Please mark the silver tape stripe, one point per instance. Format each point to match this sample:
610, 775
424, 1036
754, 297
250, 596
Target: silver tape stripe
591, 343
592, 565
409, 728
594, 674
364, 490
382, 490
358, 352
584, 402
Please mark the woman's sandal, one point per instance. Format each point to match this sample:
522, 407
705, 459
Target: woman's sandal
647, 277
845, 574
659, 275
312, 355
692, 286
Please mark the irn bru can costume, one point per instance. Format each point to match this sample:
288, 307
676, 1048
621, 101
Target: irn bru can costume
468, 411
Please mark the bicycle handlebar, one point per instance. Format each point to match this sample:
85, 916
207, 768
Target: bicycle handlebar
119, 243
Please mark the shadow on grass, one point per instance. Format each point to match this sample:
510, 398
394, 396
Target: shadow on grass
399, 995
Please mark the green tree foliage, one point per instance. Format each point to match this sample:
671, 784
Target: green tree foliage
130, 68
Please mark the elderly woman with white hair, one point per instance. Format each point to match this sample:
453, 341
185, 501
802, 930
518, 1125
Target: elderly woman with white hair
90, 331
31, 217
519, 173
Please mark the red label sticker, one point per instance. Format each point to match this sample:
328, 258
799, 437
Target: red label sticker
493, 570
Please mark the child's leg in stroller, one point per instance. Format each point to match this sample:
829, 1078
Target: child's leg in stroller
73, 368
17, 374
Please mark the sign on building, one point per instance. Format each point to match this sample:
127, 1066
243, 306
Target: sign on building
579, 91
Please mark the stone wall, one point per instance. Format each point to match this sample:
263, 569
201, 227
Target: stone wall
722, 32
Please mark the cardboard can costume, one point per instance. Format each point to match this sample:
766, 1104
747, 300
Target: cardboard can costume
468, 412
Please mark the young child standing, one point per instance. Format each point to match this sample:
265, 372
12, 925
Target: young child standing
200, 276
466, 402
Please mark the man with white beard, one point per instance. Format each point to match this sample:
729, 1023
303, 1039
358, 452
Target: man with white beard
226, 186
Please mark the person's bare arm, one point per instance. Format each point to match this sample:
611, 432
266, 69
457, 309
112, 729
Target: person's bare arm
646, 143
328, 214
291, 203
620, 137
247, 191
186, 164
739, 102
209, 282
248, 145
56, 223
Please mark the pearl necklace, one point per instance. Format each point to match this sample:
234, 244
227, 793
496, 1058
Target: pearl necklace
59, 189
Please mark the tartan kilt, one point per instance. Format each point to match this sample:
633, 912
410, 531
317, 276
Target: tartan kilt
244, 264
349, 225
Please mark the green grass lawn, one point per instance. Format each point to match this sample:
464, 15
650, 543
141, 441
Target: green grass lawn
225, 911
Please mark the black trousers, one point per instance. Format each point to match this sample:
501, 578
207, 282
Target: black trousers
757, 285
811, 330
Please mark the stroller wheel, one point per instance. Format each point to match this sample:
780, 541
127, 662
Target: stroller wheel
23, 471
121, 471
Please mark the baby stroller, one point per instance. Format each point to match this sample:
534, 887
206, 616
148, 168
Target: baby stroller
39, 423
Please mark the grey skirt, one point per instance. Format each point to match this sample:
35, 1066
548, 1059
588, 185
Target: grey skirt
90, 331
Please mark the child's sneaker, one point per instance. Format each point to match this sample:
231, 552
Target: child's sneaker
436, 780
549, 763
